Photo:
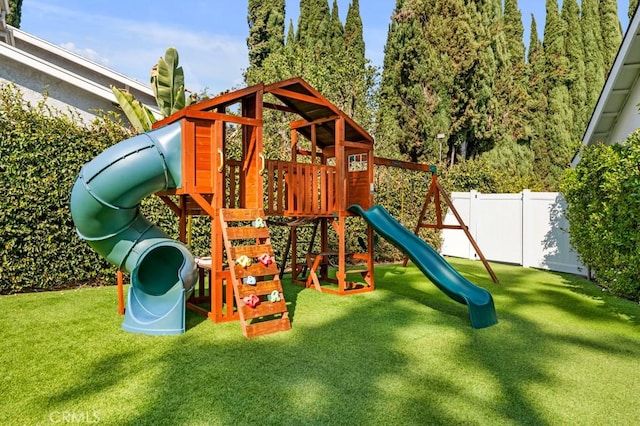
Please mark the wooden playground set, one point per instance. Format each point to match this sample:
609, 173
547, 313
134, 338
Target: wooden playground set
331, 167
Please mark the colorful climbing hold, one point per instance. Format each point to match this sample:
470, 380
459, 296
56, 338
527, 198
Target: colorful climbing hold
250, 280
243, 261
265, 259
274, 296
252, 300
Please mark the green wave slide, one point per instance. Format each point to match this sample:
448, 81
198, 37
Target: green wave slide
105, 207
479, 301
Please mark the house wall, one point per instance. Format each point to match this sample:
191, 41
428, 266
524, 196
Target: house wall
61, 95
71, 82
628, 119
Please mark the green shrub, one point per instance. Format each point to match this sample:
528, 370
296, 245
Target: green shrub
603, 193
482, 176
41, 153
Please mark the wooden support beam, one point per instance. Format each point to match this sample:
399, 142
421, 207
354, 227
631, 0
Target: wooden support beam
299, 124
380, 161
299, 96
277, 107
435, 192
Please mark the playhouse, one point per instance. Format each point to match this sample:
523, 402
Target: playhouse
319, 181
192, 163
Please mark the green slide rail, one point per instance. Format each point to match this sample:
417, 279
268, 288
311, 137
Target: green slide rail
479, 301
105, 206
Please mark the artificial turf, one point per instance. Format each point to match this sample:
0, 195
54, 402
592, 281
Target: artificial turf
563, 352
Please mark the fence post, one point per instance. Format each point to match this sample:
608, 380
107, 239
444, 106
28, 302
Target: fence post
473, 221
527, 224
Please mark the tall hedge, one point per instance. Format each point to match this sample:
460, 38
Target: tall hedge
41, 153
603, 193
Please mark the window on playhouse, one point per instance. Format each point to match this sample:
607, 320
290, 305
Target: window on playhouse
358, 162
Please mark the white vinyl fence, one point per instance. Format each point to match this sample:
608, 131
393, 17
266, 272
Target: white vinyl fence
527, 229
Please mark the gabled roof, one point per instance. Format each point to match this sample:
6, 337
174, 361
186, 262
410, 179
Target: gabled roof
301, 98
296, 96
617, 89
5, 30
61, 64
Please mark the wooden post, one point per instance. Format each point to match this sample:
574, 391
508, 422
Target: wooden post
436, 191
120, 292
468, 234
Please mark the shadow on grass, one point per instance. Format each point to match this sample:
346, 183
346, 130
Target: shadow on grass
404, 354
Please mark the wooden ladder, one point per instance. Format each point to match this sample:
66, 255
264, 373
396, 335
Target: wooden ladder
242, 238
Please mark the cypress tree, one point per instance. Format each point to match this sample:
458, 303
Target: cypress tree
594, 72
559, 115
356, 72
514, 31
511, 83
537, 107
401, 97
428, 55
481, 124
314, 28
15, 15
574, 47
633, 5
353, 35
511, 97
611, 32
266, 29
336, 31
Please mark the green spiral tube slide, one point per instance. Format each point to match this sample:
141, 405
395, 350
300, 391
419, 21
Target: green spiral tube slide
105, 206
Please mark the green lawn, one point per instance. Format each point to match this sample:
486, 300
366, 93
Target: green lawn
563, 352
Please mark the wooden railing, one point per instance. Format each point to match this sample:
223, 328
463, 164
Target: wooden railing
298, 189
233, 184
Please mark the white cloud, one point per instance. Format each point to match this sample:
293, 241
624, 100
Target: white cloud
88, 53
210, 60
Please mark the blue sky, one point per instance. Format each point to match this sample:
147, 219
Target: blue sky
210, 35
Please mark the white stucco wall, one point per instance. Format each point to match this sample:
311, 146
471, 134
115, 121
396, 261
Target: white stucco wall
628, 119
61, 95
72, 83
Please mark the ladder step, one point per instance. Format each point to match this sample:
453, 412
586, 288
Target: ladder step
356, 271
260, 289
268, 327
264, 309
237, 215
256, 270
251, 251
245, 233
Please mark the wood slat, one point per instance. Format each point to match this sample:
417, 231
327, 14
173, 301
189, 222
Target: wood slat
268, 327
262, 288
281, 190
256, 270
238, 215
246, 233
251, 251
264, 309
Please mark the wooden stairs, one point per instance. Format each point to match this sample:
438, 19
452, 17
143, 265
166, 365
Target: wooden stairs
243, 241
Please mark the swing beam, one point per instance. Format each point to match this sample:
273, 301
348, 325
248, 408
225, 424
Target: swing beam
437, 194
